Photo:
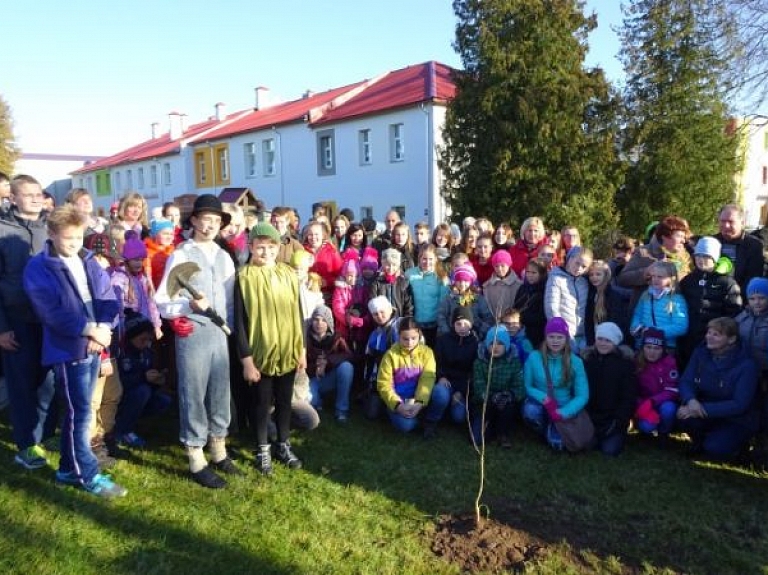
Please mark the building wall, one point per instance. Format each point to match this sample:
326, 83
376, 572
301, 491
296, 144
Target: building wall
753, 181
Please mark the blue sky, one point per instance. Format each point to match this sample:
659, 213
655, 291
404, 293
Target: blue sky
90, 77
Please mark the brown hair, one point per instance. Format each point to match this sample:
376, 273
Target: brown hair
64, 217
671, 224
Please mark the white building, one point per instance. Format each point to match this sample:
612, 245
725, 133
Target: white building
370, 146
752, 182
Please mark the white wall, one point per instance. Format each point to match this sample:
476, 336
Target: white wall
754, 192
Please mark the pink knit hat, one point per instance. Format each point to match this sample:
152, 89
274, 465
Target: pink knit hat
557, 325
464, 272
370, 259
501, 257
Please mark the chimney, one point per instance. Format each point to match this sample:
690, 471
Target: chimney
262, 97
155, 129
221, 111
174, 119
308, 94
184, 123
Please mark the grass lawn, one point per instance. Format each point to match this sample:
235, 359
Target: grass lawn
366, 502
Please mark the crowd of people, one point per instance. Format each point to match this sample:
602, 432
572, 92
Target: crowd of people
257, 327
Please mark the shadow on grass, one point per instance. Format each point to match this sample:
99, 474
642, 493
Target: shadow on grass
647, 508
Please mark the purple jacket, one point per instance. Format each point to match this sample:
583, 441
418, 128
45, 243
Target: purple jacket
55, 298
658, 381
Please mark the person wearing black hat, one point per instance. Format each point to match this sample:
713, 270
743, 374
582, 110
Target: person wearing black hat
202, 357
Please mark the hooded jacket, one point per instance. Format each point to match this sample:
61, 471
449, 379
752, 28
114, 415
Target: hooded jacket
428, 291
658, 381
612, 389
455, 356
406, 374
500, 293
753, 331
566, 296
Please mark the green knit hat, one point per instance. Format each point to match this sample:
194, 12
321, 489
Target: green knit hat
264, 230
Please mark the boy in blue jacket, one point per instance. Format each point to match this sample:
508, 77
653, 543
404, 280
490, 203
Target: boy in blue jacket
74, 300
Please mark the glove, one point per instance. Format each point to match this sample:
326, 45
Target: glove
646, 412
355, 321
555, 416
181, 326
550, 405
500, 399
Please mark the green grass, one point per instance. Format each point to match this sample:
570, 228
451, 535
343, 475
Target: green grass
366, 503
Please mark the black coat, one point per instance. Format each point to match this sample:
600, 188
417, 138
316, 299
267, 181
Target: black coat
612, 389
399, 294
530, 301
749, 258
455, 357
708, 295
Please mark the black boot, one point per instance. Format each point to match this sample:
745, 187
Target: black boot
285, 455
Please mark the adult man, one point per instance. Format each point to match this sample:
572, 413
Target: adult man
384, 241
745, 251
288, 244
5, 192
30, 387
202, 357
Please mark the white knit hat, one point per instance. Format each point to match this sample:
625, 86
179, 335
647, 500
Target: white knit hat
610, 331
707, 246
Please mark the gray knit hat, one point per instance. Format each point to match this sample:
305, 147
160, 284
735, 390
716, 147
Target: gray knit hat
325, 312
392, 256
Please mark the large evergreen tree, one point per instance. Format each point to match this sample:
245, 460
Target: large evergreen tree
678, 143
9, 153
530, 131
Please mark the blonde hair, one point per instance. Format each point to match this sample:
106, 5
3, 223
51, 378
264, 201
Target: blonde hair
567, 372
64, 217
439, 270
601, 311
133, 199
667, 269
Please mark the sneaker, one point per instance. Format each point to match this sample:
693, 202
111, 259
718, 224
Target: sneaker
67, 478
342, 417
103, 486
32, 457
227, 466
131, 440
207, 478
263, 460
285, 455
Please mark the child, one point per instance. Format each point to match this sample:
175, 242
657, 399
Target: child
530, 301
603, 302
612, 388
429, 286
497, 383
329, 363
709, 292
510, 319
420, 236
383, 336
142, 393
160, 244
72, 296
270, 342
481, 258
566, 294
369, 265
660, 306
501, 288
401, 241
202, 356
349, 303
392, 284
503, 238
455, 354
657, 393
406, 382
463, 294
442, 239
569, 391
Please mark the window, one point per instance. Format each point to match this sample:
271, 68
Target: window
250, 159
326, 164
140, 175
201, 168
400, 210
364, 147
129, 179
222, 165
396, 146
366, 212
153, 176
765, 175
268, 151
118, 182
166, 174
765, 140
90, 184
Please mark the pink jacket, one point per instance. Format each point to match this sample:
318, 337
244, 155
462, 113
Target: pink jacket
345, 298
658, 381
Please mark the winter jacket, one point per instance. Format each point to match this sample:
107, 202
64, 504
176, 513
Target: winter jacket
406, 374
428, 291
506, 374
500, 293
746, 253
668, 313
566, 296
20, 239
381, 339
288, 246
157, 256
612, 389
350, 310
708, 295
482, 317
753, 331
399, 294
521, 254
455, 356
571, 395
522, 345
327, 265
659, 381
134, 292
530, 301
483, 271
407, 256
617, 310
331, 345
725, 386
57, 302
133, 365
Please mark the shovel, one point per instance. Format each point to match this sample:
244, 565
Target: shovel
179, 278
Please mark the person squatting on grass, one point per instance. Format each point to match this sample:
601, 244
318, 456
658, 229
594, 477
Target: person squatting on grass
657, 394
202, 358
570, 389
270, 342
406, 382
77, 307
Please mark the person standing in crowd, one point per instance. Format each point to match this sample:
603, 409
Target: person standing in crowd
172, 213
30, 387
327, 260
384, 240
132, 214
566, 294
532, 237
429, 285
744, 250
280, 219
81, 199
202, 359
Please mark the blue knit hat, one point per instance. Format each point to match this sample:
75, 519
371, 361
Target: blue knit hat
156, 226
757, 286
500, 334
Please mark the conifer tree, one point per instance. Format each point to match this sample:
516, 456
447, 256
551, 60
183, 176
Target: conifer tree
9, 153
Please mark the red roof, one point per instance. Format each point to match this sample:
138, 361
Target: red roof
430, 81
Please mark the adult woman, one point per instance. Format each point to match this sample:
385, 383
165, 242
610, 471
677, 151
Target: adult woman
356, 238
569, 237
132, 214
532, 238
81, 199
172, 213
327, 259
339, 235
667, 244
503, 237
717, 393
234, 236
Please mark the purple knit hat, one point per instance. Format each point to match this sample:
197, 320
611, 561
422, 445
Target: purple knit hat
557, 325
134, 248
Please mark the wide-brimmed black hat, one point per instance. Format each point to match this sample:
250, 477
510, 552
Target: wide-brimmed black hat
210, 204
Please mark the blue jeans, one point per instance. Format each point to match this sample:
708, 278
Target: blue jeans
433, 411
141, 400
668, 416
202, 362
75, 381
537, 418
720, 438
30, 386
339, 379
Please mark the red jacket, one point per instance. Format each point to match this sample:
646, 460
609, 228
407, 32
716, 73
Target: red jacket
522, 254
327, 265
